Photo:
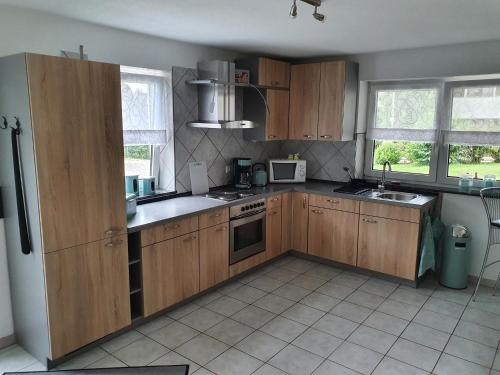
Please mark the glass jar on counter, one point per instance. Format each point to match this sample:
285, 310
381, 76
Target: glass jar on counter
465, 183
489, 180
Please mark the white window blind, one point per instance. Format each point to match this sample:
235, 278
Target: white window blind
474, 114
146, 106
403, 113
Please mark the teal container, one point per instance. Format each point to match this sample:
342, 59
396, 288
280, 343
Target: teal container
132, 185
456, 257
147, 186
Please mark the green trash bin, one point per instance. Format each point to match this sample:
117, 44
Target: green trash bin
456, 257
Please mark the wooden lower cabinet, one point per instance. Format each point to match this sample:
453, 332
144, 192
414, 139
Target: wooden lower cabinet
87, 293
300, 218
388, 246
333, 235
214, 255
273, 232
286, 221
171, 272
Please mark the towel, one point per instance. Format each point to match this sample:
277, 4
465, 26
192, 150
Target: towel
431, 233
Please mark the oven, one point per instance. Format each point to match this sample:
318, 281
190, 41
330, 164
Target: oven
247, 230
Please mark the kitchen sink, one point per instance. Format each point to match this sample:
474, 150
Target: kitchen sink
393, 196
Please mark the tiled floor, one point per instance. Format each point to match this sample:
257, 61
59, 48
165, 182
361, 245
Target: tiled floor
300, 317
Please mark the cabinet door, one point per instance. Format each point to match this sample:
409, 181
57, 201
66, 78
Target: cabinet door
333, 235
277, 118
388, 246
300, 221
286, 221
77, 128
331, 100
273, 232
171, 272
87, 293
214, 255
304, 101
274, 73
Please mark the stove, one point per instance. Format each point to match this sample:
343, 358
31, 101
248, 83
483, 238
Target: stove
229, 195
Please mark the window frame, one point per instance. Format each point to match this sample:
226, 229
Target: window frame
370, 144
442, 177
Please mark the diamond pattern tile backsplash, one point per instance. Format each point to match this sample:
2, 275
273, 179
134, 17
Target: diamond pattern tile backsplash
217, 147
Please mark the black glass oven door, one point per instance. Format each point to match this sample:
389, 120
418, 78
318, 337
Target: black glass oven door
248, 237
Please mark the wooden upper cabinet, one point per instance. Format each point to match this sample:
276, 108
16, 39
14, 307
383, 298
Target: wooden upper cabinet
273, 232
273, 73
304, 101
77, 126
300, 221
277, 118
331, 100
214, 255
333, 235
388, 246
87, 293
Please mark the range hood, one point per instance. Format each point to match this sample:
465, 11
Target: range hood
220, 106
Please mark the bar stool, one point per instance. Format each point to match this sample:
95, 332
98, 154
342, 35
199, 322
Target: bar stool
491, 201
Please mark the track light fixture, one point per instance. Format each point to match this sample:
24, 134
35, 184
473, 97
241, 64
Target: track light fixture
315, 3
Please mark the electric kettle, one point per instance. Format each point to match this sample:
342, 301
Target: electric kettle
259, 174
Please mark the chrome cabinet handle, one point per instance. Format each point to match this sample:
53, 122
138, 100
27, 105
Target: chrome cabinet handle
325, 136
114, 243
317, 212
275, 199
112, 231
221, 229
216, 215
272, 213
271, 136
189, 239
304, 201
333, 201
371, 221
176, 226
307, 136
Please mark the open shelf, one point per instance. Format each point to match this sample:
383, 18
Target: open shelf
212, 82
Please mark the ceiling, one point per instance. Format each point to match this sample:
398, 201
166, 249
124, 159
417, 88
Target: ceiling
263, 26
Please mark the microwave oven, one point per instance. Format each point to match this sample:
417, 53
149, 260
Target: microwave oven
287, 171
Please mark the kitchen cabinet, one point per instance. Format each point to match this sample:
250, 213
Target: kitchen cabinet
273, 120
169, 230
248, 263
171, 272
333, 235
388, 246
273, 232
300, 221
304, 101
87, 293
286, 221
323, 100
273, 73
214, 255
78, 142
211, 218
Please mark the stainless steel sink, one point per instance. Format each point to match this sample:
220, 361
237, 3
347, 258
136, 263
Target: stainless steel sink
392, 195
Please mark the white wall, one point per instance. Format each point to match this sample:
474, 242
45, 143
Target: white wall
6, 325
469, 211
27, 31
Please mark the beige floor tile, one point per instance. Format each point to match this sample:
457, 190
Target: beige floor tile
226, 306
371, 301
414, 354
261, 345
247, 294
107, 362
437, 321
253, 316
296, 361
477, 333
351, 311
303, 314
173, 359
202, 319
141, 352
373, 339
174, 335
336, 326
335, 290
308, 282
320, 301
83, 360
471, 351
426, 336
229, 331
449, 365
317, 342
444, 307
266, 283
283, 328
398, 309
332, 368
356, 357
411, 297
386, 323
154, 324
390, 366
121, 341
295, 293
274, 303
233, 362
202, 349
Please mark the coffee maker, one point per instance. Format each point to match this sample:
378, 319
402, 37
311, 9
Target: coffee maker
242, 169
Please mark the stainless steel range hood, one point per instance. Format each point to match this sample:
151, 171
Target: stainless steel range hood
217, 97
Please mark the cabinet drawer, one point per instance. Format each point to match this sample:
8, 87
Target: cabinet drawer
273, 202
170, 230
334, 203
215, 217
390, 211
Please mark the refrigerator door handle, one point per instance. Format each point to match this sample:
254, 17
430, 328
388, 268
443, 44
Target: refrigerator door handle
20, 195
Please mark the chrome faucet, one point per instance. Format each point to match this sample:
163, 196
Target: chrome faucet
381, 186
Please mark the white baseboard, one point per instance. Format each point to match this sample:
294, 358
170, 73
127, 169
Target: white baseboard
7, 341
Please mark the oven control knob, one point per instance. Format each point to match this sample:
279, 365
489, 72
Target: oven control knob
243, 208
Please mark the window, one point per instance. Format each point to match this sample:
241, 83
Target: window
403, 129
406, 118
148, 125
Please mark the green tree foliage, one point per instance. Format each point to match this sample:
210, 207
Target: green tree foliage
418, 153
387, 151
137, 152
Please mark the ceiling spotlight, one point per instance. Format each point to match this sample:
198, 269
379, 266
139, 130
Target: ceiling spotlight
318, 16
293, 9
